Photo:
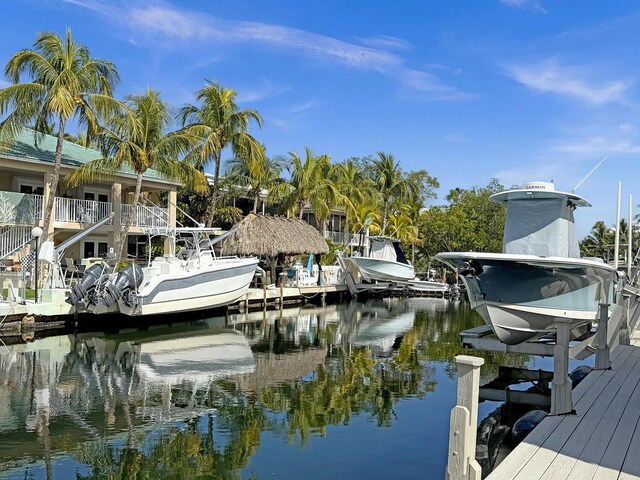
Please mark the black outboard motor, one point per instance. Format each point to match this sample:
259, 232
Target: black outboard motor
128, 280
91, 277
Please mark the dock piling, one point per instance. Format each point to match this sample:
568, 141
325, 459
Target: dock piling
463, 427
603, 361
561, 402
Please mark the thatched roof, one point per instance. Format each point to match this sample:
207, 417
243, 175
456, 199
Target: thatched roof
272, 369
267, 235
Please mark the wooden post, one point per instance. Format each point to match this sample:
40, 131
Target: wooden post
264, 296
172, 201
625, 305
463, 427
561, 402
603, 361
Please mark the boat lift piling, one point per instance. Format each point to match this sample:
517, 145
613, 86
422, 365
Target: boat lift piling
461, 462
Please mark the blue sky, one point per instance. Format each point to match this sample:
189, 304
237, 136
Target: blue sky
519, 90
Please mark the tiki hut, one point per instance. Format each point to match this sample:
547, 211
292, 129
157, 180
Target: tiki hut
273, 369
272, 237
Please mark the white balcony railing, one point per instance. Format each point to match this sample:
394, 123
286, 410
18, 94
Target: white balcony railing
38, 206
25, 209
13, 237
146, 216
81, 211
341, 238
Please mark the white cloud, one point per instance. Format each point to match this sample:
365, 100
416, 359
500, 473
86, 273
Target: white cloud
166, 24
533, 172
534, 5
599, 145
262, 91
303, 107
386, 42
550, 76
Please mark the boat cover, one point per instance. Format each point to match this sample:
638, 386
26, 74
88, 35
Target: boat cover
383, 249
543, 227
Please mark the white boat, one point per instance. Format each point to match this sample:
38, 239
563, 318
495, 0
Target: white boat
193, 279
427, 286
196, 359
540, 276
386, 262
380, 334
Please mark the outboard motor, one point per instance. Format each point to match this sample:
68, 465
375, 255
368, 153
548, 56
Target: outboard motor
91, 278
127, 281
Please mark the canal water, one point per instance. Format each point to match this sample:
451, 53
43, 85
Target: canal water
357, 390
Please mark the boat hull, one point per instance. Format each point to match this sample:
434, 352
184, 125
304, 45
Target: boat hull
521, 296
380, 270
221, 284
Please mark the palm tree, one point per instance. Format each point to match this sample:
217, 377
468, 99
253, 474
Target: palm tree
139, 140
218, 123
355, 187
65, 83
596, 244
309, 183
389, 181
365, 216
255, 173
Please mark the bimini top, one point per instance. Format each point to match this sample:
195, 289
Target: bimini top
538, 191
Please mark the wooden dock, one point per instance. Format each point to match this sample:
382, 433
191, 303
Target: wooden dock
601, 441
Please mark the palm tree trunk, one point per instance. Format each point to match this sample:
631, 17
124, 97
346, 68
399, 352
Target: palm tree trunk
255, 203
131, 217
53, 182
384, 216
214, 196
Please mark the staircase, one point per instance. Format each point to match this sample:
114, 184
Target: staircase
13, 238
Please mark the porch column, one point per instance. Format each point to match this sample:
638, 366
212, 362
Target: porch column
172, 200
114, 235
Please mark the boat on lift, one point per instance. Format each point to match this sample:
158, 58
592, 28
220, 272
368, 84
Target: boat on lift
193, 278
540, 276
386, 262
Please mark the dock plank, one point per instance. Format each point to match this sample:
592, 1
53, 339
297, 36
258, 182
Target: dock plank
571, 446
601, 451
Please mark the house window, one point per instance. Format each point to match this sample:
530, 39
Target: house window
337, 223
94, 249
89, 250
31, 189
310, 218
101, 195
102, 249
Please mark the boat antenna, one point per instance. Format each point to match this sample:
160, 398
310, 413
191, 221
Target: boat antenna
589, 174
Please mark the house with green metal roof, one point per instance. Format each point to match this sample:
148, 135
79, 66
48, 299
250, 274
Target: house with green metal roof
25, 168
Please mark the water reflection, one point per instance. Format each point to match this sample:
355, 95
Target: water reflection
199, 398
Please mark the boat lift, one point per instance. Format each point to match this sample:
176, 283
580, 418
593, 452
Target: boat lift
54, 255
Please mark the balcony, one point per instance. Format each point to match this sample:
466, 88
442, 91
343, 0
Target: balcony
146, 216
341, 238
25, 209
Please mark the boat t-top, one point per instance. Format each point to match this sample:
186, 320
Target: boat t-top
540, 276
